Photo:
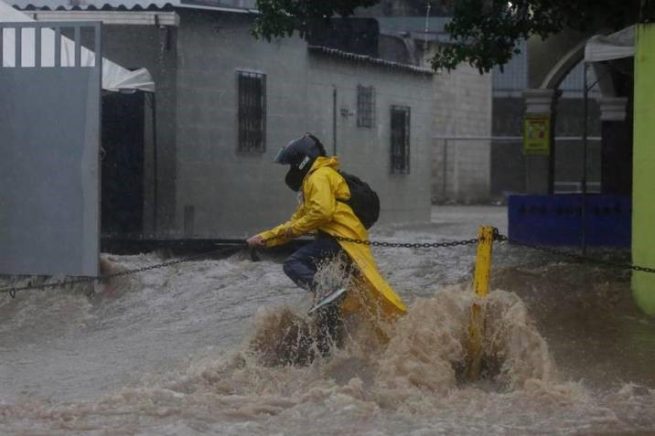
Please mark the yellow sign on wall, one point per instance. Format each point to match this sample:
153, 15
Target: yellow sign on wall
536, 134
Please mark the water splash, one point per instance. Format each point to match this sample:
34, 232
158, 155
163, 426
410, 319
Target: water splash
409, 383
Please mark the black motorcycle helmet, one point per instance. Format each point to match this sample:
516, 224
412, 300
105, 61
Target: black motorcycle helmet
299, 154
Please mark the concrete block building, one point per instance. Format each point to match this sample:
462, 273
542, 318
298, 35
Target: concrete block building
194, 160
461, 135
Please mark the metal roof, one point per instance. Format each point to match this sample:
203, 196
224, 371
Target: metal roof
317, 49
419, 28
395, 25
131, 4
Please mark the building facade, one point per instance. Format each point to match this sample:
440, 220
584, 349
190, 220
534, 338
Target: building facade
224, 105
461, 135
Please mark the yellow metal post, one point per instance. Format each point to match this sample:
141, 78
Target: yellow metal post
481, 288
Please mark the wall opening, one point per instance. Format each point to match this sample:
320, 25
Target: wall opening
122, 164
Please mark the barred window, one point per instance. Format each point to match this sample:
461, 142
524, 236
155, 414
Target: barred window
365, 106
252, 111
400, 139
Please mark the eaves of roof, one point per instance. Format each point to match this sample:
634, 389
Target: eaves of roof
236, 5
321, 50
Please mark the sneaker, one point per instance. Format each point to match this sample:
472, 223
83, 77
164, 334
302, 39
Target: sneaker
328, 299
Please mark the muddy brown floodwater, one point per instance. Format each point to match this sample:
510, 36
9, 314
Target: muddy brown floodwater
169, 351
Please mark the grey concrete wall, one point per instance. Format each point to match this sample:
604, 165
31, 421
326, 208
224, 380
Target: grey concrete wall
463, 108
366, 151
234, 194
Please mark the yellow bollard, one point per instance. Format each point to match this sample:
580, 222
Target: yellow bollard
481, 288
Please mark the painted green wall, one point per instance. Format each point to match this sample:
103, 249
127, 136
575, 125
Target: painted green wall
643, 215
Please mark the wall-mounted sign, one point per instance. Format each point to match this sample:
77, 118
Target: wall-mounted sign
536, 134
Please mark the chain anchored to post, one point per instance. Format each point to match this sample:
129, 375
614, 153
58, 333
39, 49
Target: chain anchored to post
486, 237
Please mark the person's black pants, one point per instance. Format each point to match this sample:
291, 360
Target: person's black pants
301, 267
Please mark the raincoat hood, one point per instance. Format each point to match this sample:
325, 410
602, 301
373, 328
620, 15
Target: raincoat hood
295, 177
325, 161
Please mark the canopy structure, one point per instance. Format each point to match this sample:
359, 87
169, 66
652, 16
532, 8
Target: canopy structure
600, 48
114, 77
618, 45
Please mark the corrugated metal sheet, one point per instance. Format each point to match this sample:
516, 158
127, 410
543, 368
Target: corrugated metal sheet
92, 4
396, 25
129, 4
316, 49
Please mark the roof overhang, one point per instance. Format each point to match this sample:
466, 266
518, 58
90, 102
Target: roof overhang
132, 17
352, 57
217, 8
618, 45
232, 6
71, 53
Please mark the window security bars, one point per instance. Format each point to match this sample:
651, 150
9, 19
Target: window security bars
400, 139
252, 112
365, 106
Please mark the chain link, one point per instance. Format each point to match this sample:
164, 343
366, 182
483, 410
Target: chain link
497, 236
408, 244
385, 244
13, 290
502, 238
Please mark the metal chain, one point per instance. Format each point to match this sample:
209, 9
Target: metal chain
497, 237
502, 238
12, 290
408, 244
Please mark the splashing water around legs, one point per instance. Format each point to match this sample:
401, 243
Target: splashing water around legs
426, 348
287, 338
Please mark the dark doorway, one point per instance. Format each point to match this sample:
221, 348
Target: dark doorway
122, 164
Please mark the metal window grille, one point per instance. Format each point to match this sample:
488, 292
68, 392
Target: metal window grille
252, 111
400, 139
365, 106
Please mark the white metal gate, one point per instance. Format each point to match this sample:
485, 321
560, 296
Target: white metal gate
49, 143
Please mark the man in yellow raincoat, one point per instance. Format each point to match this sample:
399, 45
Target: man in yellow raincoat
323, 210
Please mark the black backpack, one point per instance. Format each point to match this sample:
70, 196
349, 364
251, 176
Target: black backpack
363, 200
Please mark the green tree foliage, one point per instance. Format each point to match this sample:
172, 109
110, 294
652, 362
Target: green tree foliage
484, 32
279, 18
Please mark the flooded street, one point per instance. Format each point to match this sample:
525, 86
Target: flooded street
166, 352
151, 123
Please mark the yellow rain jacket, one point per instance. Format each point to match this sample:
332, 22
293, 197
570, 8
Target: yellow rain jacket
321, 211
